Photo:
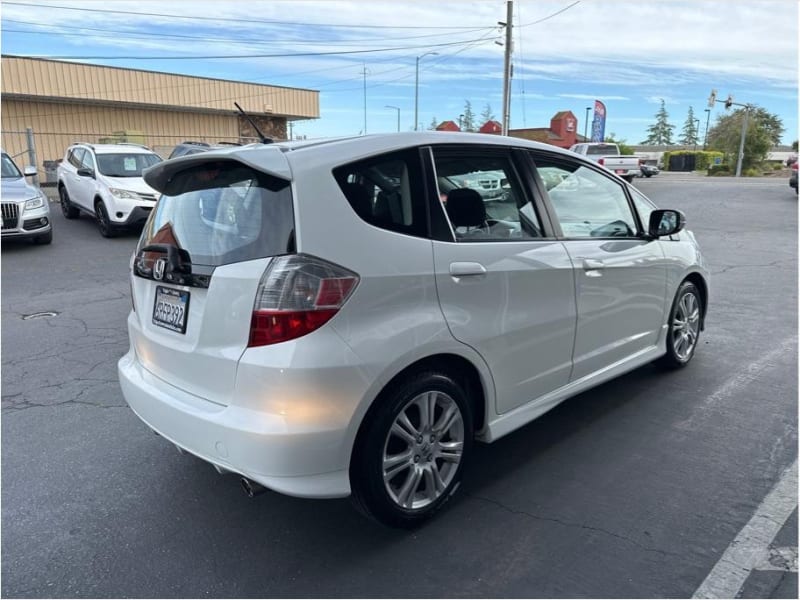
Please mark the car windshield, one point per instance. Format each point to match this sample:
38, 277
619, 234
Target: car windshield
10, 170
125, 165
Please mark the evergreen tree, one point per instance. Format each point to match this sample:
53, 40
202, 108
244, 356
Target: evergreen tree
660, 134
689, 132
468, 120
434, 124
487, 114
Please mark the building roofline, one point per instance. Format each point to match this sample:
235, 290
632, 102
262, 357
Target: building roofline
83, 64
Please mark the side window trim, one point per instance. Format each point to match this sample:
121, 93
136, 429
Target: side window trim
436, 208
571, 162
535, 189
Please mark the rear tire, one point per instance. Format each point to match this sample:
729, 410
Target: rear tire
107, 230
407, 465
70, 212
685, 318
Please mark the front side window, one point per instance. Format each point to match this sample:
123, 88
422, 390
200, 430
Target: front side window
223, 212
75, 156
387, 191
483, 198
87, 162
125, 165
10, 170
643, 206
586, 202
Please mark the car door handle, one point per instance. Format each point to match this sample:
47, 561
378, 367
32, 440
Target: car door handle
467, 269
593, 268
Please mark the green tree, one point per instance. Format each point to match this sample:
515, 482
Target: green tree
794, 145
487, 114
764, 131
623, 146
468, 120
689, 132
660, 133
434, 124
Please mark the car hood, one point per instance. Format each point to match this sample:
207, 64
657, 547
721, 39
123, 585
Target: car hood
17, 189
134, 184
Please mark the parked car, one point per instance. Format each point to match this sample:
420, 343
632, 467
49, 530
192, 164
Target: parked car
607, 155
793, 176
315, 319
105, 181
648, 170
188, 147
24, 208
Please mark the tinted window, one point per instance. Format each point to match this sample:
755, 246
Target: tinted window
125, 164
586, 202
387, 191
482, 197
223, 212
9, 168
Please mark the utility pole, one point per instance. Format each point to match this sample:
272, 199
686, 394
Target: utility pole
507, 67
696, 131
708, 117
728, 103
586, 123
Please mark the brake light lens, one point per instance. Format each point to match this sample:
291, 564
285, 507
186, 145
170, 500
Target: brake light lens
297, 295
601, 161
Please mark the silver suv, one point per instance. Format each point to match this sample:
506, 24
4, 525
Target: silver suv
105, 181
324, 320
24, 207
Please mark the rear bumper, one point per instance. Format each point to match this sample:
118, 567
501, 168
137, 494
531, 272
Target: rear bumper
282, 434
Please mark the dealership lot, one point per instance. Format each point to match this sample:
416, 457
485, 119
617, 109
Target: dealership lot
635, 489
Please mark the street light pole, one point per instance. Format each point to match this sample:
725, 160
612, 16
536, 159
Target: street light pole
416, 90
586, 123
696, 132
398, 115
708, 117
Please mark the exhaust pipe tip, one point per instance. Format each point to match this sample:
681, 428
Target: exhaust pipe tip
251, 488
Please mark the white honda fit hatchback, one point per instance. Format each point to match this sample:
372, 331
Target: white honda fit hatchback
345, 317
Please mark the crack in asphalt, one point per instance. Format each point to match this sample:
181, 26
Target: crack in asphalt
726, 268
572, 525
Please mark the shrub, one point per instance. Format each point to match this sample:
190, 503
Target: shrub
751, 172
717, 170
777, 167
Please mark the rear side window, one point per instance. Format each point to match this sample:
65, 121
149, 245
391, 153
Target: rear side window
387, 191
223, 212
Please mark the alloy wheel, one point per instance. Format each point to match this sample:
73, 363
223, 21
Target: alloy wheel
686, 326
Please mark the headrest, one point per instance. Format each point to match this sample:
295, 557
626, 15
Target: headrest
465, 208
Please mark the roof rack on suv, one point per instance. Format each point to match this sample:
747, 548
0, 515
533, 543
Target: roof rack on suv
90, 144
132, 144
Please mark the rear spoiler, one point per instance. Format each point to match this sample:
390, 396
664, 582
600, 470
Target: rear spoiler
267, 159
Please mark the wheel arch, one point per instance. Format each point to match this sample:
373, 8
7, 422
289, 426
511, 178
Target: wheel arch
457, 366
702, 286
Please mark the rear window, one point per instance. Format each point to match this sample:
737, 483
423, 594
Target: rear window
601, 149
223, 212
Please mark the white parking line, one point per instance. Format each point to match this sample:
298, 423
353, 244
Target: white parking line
748, 550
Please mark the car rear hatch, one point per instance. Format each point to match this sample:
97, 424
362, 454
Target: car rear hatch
198, 264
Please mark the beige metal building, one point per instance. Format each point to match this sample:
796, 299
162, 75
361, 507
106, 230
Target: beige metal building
64, 102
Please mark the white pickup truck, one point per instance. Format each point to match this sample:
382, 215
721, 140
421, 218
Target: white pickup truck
608, 156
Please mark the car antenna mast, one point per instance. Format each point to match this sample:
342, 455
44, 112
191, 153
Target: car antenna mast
264, 139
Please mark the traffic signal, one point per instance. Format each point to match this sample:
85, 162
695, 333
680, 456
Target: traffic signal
729, 102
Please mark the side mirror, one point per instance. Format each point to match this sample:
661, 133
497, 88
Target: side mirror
86, 173
665, 222
29, 171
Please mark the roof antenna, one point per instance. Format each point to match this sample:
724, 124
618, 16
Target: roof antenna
264, 139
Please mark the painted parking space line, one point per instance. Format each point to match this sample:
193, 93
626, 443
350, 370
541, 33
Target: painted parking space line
751, 547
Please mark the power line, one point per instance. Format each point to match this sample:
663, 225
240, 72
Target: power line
555, 14
233, 20
237, 56
132, 34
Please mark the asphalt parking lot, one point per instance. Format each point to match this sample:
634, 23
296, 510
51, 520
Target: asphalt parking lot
635, 489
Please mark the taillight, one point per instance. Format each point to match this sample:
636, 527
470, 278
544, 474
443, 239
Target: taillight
297, 294
794, 166
601, 161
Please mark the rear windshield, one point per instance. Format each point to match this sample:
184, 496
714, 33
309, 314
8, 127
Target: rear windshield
602, 149
223, 212
125, 165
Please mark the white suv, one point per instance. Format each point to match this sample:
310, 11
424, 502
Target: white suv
105, 181
324, 320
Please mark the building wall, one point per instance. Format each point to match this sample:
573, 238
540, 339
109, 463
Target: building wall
49, 79
57, 125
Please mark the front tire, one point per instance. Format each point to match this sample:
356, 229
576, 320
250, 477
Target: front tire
70, 211
103, 222
410, 455
684, 326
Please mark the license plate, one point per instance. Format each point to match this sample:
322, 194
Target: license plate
619, 171
171, 309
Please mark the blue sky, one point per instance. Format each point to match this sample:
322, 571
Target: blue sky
628, 54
